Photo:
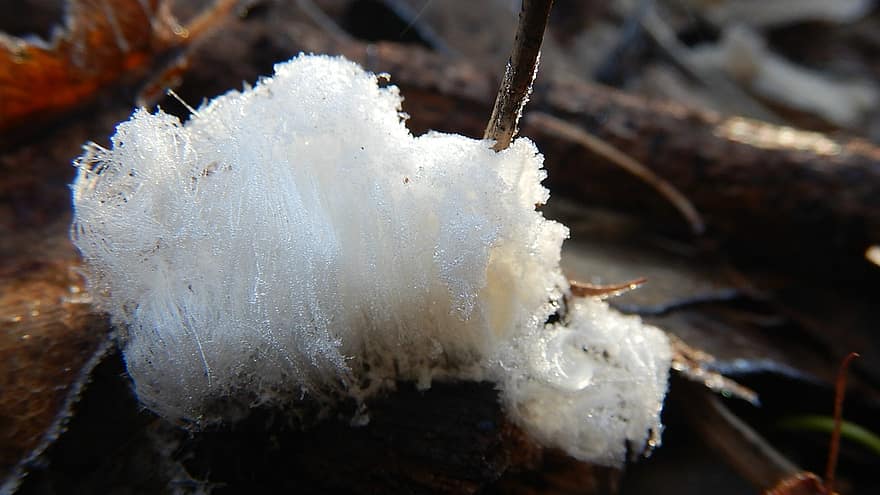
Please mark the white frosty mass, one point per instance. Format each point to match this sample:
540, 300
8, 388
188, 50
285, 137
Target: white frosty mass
295, 240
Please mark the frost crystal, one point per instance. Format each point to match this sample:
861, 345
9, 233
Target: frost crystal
295, 239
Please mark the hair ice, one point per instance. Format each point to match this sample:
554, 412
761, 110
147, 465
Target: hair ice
295, 239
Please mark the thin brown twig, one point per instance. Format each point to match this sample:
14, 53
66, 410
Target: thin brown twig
522, 66
582, 289
208, 19
839, 391
624, 161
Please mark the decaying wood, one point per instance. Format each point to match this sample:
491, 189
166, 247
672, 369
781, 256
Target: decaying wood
453, 438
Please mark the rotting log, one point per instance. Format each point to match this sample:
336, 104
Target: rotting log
453, 438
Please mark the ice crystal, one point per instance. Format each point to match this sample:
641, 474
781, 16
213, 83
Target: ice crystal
294, 239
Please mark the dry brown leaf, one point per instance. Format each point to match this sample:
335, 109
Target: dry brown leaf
103, 42
49, 337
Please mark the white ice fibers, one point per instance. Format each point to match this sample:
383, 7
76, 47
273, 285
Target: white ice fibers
295, 240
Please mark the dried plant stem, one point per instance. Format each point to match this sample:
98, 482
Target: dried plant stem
582, 289
624, 161
209, 19
522, 66
839, 391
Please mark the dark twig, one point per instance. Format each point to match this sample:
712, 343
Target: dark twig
522, 66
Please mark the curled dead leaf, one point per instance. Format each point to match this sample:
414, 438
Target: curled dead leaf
102, 43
